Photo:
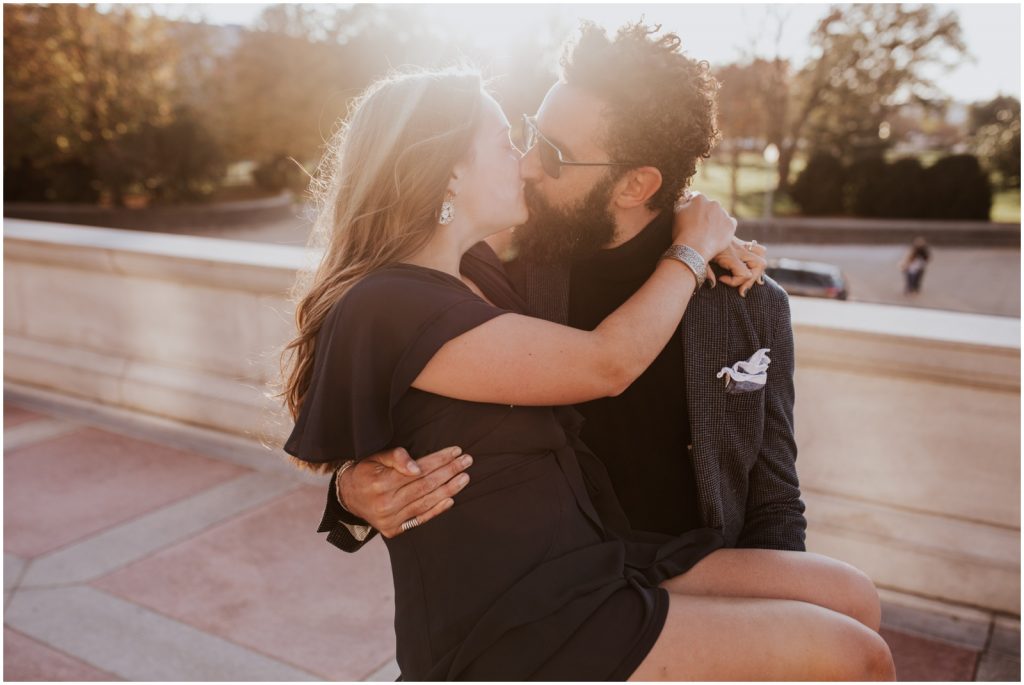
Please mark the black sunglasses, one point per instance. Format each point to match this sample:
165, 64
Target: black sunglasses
551, 159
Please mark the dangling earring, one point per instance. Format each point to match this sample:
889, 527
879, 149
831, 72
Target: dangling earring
447, 209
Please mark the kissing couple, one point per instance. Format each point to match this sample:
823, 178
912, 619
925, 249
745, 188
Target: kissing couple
601, 397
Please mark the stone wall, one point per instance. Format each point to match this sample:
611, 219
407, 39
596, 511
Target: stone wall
907, 420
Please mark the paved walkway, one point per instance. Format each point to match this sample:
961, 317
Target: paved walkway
135, 549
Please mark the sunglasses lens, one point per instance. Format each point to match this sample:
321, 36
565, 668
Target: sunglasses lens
550, 160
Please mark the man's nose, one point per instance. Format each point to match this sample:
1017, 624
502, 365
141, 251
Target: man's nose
529, 165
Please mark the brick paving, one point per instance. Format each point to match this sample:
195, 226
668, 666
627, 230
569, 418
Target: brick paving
134, 553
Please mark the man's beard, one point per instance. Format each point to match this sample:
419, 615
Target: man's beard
552, 234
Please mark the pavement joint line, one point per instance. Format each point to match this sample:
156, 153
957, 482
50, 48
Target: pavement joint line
931, 605
137, 643
985, 650
133, 540
14, 567
214, 444
386, 672
972, 636
37, 430
1005, 638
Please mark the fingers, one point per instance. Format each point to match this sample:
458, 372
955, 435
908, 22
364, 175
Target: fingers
431, 494
734, 281
421, 517
757, 265
711, 276
399, 460
387, 491
738, 269
434, 479
742, 284
438, 508
436, 460
433, 503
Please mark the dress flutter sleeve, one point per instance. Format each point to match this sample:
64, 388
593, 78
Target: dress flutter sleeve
373, 344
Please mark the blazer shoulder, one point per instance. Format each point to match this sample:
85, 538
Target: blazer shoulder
768, 297
771, 293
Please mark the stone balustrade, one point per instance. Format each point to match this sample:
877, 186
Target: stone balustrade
907, 420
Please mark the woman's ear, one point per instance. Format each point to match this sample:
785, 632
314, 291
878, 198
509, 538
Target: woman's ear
637, 187
453, 180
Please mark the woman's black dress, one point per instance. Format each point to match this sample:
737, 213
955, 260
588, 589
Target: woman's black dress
527, 576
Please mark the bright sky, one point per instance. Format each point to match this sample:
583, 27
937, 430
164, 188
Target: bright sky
720, 33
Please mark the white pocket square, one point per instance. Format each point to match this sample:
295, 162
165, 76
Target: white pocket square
747, 375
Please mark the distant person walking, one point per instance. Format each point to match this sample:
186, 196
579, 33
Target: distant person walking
914, 264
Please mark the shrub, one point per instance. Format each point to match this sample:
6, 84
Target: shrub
905, 195
279, 173
958, 188
819, 189
866, 187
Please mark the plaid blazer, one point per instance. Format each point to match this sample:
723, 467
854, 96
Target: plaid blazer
743, 449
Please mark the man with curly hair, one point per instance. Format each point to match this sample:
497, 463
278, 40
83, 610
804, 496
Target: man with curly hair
699, 439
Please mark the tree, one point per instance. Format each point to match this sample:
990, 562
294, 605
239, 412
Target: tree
76, 81
751, 107
869, 59
995, 133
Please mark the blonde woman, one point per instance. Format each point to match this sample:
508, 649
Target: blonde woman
411, 335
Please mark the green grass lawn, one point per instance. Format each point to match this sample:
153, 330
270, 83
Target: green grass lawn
1006, 206
755, 179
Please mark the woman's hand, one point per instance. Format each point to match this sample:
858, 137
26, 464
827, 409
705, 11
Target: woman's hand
744, 260
704, 225
746, 264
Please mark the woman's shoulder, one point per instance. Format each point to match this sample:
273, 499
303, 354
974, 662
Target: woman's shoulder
397, 292
399, 280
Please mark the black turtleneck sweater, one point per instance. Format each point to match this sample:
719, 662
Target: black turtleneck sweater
642, 434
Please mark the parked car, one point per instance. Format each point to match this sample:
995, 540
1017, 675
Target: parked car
809, 279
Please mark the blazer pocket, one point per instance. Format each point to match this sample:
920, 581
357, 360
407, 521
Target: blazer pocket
742, 402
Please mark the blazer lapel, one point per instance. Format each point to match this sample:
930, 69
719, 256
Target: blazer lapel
705, 347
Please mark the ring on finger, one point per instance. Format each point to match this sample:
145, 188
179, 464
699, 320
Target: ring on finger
411, 523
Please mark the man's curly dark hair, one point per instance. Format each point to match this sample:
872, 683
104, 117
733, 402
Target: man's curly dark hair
660, 103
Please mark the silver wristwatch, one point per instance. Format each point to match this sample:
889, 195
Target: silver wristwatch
691, 258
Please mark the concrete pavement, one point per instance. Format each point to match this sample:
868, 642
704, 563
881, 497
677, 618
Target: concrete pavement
137, 549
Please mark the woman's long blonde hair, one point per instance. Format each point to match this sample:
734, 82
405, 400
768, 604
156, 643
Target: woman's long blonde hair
378, 191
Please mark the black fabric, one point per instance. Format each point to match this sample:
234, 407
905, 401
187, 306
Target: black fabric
527, 577
375, 341
641, 435
744, 446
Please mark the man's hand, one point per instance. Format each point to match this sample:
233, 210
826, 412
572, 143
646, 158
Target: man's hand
746, 264
390, 488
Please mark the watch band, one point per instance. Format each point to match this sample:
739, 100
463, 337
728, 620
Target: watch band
691, 258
